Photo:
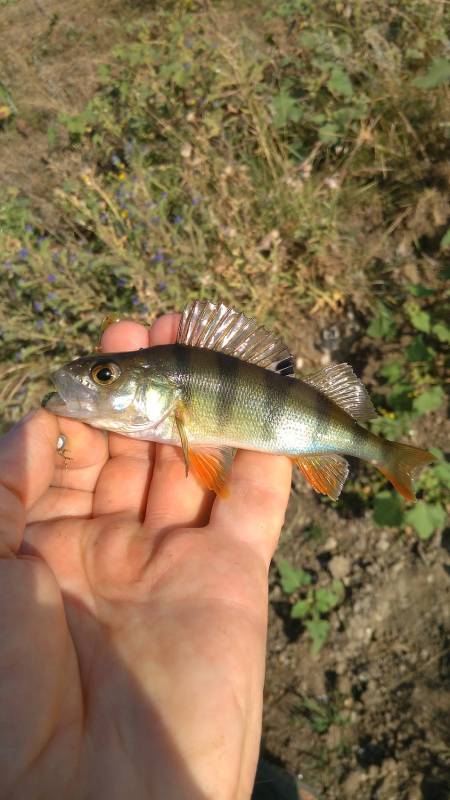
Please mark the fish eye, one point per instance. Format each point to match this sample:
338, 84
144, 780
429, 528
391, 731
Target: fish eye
105, 374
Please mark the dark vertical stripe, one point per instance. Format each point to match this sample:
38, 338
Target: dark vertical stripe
225, 400
183, 369
277, 394
323, 412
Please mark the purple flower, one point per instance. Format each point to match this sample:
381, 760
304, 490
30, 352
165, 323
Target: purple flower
28, 228
159, 256
135, 300
37, 305
51, 278
121, 281
39, 324
195, 201
163, 195
177, 219
23, 253
161, 286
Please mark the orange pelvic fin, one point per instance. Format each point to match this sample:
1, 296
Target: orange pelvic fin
326, 472
402, 462
211, 466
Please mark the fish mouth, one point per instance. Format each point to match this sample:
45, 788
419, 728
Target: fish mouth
72, 398
53, 402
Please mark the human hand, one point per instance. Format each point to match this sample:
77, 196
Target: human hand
133, 612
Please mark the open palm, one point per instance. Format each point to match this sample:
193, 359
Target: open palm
133, 612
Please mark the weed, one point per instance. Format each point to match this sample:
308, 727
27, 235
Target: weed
410, 387
310, 604
321, 714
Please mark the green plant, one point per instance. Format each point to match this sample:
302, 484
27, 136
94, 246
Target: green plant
321, 714
310, 604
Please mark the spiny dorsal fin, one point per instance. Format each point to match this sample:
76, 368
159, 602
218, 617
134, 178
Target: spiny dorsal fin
340, 384
326, 472
216, 327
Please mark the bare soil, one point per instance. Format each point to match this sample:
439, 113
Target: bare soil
382, 681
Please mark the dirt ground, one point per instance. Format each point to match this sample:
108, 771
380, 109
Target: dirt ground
368, 717
382, 681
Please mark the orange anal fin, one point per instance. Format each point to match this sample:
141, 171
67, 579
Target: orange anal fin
326, 472
211, 466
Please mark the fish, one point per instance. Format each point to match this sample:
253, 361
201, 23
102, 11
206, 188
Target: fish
227, 384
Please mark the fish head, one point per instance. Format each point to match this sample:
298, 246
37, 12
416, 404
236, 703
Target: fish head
123, 392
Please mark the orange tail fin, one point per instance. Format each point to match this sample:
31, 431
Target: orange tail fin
401, 463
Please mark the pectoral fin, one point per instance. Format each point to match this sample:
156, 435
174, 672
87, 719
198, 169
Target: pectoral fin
210, 465
179, 419
326, 472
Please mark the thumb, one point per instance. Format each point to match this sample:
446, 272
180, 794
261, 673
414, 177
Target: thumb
27, 463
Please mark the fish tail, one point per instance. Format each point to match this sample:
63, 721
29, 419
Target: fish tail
400, 463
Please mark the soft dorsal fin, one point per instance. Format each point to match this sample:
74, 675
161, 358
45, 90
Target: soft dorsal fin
340, 384
216, 327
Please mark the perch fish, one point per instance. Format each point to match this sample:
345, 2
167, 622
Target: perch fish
228, 383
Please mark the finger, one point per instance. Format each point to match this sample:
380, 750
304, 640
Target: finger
123, 484
175, 500
27, 465
259, 492
83, 458
61, 503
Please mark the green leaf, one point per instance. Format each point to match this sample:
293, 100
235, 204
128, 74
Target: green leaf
445, 241
420, 319
418, 290
340, 83
400, 397
426, 518
292, 579
388, 509
392, 371
326, 599
438, 74
418, 350
383, 325
442, 473
318, 630
328, 133
441, 331
300, 609
286, 109
430, 400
